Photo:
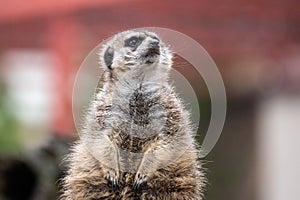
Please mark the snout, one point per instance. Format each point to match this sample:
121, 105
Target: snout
154, 49
154, 44
152, 52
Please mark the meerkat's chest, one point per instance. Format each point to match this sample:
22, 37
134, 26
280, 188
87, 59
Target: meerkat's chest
137, 117
138, 106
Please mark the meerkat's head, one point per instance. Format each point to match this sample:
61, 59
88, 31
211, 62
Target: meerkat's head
136, 54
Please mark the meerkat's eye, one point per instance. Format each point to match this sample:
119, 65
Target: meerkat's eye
108, 57
133, 42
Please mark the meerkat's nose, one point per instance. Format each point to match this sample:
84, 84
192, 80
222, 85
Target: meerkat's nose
154, 44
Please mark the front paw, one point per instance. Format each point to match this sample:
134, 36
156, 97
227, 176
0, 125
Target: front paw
112, 176
139, 181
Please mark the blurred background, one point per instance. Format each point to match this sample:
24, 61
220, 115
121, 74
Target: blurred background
255, 44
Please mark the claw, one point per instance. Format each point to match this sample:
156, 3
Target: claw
112, 179
144, 183
115, 184
108, 177
140, 181
136, 186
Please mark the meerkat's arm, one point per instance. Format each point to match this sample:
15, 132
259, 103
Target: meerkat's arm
97, 136
157, 156
107, 154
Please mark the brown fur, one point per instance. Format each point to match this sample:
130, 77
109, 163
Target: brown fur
180, 180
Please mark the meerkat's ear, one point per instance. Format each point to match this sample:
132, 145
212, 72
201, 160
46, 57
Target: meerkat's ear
108, 57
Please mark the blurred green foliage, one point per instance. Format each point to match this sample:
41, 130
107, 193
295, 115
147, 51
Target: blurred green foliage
9, 141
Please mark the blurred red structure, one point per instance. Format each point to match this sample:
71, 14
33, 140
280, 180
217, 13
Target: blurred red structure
11, 10
63, 46
227, 30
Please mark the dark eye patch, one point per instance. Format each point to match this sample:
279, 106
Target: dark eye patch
133, 42
108, 57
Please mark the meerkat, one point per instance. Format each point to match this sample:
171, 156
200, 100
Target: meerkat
137, 141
